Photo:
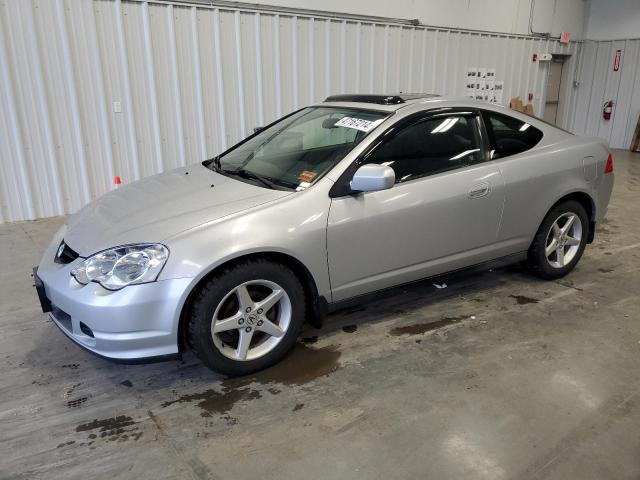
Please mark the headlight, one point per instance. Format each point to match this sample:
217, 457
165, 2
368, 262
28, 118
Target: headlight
118, 267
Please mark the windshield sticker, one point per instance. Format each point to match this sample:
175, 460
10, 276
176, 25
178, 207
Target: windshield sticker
306, 176
358, 123
302, 186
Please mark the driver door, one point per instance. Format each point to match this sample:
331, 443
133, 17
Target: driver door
443, 212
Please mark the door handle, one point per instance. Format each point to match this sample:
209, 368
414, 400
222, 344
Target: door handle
480, 190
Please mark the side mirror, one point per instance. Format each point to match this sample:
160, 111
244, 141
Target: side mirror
373, 177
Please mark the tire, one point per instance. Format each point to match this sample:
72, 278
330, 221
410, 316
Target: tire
548, 262
233, 297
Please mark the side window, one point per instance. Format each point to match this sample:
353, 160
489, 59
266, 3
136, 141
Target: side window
430, 146
509, 135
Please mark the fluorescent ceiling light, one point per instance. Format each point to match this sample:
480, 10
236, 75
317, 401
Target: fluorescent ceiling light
445, 125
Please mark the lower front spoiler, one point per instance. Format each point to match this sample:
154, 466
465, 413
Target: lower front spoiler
124, 361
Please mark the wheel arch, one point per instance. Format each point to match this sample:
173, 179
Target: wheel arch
584, 199
316, 305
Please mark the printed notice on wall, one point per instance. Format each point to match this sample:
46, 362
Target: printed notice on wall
481, 84
497, 93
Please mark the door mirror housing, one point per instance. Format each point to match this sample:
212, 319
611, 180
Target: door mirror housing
372, 178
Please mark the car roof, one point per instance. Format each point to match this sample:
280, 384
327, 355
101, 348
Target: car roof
390, 103
395, 102
379, 99
387, 102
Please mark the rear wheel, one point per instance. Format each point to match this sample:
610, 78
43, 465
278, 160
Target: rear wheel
247, 317
560, 240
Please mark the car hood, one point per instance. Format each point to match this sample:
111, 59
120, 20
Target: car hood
160, 206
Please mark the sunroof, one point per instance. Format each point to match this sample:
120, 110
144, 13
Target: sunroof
379, 99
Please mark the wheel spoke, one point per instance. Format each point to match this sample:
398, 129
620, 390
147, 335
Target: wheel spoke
551, 247
243, 344
225, 324
560, 256
270, 328
570, 221
572, 241
244, 298
270, 301
556, 230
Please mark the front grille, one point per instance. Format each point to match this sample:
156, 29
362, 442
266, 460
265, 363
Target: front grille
65, 254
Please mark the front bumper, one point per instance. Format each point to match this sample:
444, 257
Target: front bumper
135, 323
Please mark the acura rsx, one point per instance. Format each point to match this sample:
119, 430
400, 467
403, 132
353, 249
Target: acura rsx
359, 193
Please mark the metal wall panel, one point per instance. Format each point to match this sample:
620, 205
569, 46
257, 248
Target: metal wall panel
191, 80
600, 83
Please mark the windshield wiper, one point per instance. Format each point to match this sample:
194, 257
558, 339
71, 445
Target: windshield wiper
216, 162
213, 163
242, 173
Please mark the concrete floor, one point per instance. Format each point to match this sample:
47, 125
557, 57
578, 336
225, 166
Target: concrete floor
500, 375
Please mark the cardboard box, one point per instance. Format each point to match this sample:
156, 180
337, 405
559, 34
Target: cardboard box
516, 104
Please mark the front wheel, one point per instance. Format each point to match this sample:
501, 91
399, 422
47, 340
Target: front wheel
560, 241
247, 317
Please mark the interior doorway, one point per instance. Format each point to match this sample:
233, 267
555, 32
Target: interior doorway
554, 82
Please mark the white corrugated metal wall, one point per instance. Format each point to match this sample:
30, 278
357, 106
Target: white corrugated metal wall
192, 80
600, 83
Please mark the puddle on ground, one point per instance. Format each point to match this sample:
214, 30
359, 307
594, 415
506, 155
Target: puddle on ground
213, 402
77, 403
302, 365
523, 300
106, 424
420, 328
111, 429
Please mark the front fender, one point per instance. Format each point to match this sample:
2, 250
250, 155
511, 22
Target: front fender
295, 226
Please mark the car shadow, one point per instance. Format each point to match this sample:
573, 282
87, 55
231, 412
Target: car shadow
407, 299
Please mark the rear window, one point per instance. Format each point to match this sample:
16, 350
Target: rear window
508, 135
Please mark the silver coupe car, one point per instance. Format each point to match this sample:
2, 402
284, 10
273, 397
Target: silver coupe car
359, 193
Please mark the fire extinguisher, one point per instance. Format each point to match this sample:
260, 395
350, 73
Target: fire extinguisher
607, 109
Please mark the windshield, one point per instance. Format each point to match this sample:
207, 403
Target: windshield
296, 151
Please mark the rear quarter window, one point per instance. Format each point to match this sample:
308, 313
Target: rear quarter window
508, 135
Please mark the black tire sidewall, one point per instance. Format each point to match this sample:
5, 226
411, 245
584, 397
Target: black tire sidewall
537, 256
217, 288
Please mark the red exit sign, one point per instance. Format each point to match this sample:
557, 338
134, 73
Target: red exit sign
616, 60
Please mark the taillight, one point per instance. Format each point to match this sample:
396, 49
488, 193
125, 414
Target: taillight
608, 168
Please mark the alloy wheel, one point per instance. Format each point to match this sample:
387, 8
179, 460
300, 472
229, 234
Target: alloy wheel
563, 240
251, 320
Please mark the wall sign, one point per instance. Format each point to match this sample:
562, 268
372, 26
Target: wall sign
616, 60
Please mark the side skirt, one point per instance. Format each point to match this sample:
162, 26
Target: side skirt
324, 307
